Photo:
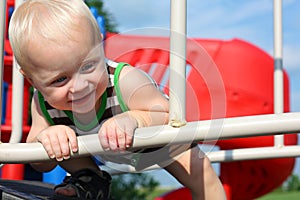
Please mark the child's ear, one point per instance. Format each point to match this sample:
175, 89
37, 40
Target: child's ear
25, 76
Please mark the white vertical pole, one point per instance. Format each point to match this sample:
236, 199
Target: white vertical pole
17, 99
177, 63
2, 33
278, 66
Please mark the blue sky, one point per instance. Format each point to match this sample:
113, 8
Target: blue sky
223, 19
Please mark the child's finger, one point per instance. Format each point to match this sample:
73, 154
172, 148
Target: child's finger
72, 140
112, 138
45, 141
103, 139
63, 140
129, 136
56, 148
121, 139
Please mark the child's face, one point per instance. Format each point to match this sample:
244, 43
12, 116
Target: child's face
71, 75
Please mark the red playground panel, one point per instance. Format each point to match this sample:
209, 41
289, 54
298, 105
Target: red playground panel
224, 79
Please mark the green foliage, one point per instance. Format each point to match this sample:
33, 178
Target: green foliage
110, 24
293, 183
289, 190
133, 186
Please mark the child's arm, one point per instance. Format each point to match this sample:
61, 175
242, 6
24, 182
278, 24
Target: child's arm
147, 107
56, 140
143, 98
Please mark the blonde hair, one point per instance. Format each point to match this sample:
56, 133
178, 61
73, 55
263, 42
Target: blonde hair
49, 19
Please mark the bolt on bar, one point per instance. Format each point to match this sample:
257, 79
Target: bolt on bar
205, 130
177, 63
2, 33
278, 66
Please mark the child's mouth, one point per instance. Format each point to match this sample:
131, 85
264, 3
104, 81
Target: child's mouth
82, 100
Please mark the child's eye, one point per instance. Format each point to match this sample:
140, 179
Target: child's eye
60, 81
87, 68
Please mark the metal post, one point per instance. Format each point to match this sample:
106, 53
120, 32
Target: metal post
278, 66
2, 38
177, 63
17, 99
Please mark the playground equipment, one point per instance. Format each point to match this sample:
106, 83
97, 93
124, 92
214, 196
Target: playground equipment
213, 93
247, 74
19, 126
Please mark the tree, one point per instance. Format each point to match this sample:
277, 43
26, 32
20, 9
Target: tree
133, 186
110, 24
293, 183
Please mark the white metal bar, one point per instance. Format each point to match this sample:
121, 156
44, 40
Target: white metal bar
221, 156
177, 92
278, 66
2, 37
17, 99
207, 130
254, 153
17, 105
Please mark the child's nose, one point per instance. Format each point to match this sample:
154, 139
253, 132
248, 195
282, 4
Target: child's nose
79, 84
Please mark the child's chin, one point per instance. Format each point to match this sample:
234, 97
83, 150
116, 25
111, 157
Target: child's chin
84, 110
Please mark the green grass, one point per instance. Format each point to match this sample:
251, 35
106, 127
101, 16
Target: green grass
276, 195
294, 195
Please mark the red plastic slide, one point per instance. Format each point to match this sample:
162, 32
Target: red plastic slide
224, 79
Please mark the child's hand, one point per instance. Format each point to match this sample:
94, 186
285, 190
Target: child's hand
58, 141
116, 133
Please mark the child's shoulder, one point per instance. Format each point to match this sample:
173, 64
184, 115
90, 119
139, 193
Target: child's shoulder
123, 69
114, 64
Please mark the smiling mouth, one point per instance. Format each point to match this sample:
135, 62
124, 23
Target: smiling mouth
82, 99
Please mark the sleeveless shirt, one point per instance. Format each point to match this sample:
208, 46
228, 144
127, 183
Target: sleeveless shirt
112, 104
